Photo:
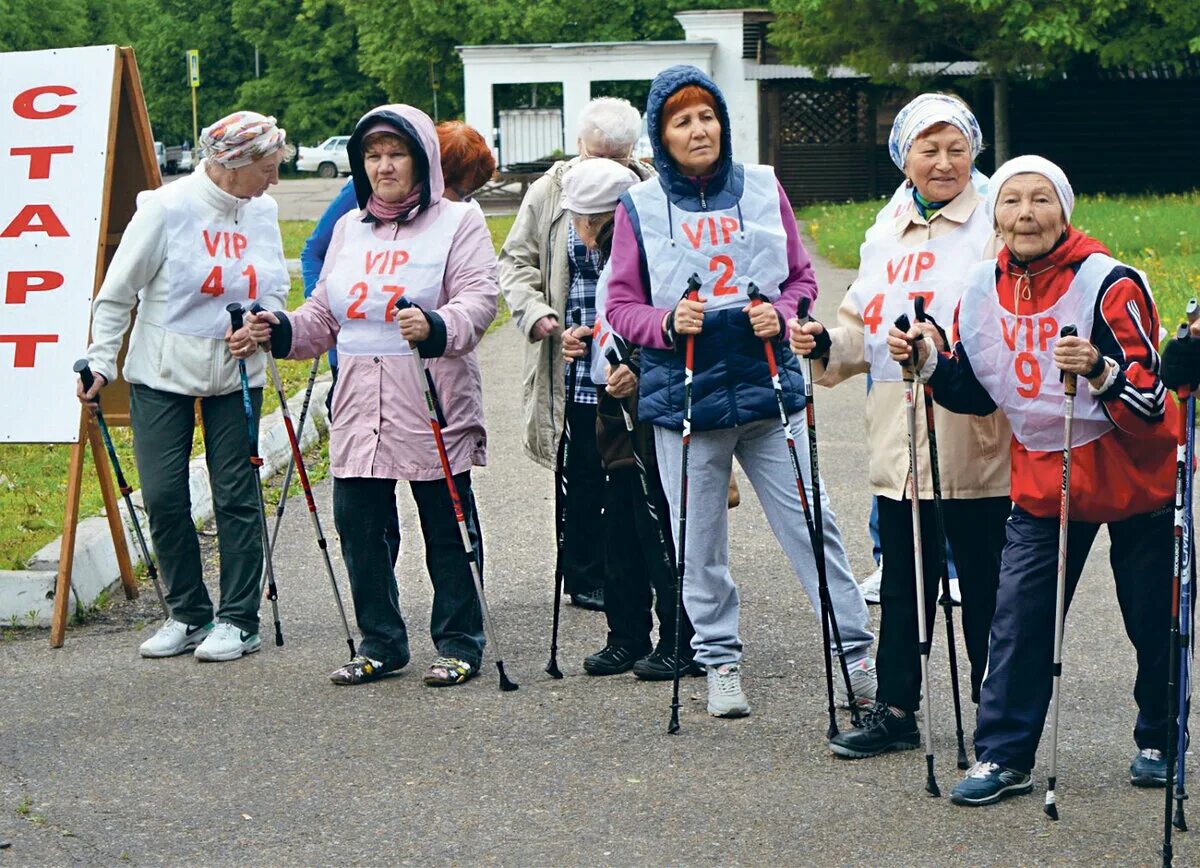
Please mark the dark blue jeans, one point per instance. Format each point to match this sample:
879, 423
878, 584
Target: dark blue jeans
1016, 693
364, 511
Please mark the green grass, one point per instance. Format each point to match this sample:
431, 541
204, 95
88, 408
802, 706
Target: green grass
33, 477
1158, 234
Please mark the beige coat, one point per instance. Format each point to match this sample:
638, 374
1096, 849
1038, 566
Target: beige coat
972, 450
535, 278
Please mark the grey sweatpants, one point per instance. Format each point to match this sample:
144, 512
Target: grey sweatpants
709, 594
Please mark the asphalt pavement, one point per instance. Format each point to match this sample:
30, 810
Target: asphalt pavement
107, 758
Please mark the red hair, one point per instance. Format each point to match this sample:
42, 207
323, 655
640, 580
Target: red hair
687, 96
467, 161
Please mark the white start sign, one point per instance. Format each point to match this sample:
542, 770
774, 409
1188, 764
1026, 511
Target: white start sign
55, 118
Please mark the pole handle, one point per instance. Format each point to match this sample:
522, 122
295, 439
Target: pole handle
919, 308
1193, 311
84, 370
1069, 380
803, 309
909, 369
236, 315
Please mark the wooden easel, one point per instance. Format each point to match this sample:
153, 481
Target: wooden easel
132, 166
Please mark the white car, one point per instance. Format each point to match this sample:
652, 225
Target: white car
328, 159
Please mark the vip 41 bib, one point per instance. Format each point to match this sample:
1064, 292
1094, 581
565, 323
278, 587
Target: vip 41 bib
726, 249
1013, 356
213, 262
371, 274
892, 276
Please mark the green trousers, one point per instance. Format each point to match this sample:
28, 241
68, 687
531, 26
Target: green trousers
163, 427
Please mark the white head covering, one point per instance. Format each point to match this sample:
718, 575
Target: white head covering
594, 185
1030, 164
924, 112
237, 139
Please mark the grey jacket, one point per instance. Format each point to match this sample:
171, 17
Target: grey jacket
535, 278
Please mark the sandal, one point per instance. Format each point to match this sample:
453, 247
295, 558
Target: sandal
360, 670
448, 671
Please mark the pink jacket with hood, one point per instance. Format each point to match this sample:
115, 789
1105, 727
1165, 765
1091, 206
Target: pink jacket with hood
380, 424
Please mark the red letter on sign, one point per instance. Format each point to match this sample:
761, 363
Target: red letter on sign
48, 222
26, 347
39, 158
24, 107
21, 283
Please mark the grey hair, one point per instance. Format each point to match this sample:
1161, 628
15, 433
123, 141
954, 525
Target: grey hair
609, 127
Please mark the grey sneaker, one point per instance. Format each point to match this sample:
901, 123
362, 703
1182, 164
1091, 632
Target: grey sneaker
227, 642
725, 696
870, 585
174, 637
862, 680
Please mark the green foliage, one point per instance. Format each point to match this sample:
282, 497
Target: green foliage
1032, 37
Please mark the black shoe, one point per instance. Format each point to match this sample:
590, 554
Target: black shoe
661, 663
593, 600
610, 660
882, 731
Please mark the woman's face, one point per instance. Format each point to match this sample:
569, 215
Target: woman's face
939, 163
389, 166
692, 136
249, 182
1029, 216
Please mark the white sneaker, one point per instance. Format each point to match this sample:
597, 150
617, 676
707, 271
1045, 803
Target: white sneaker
870, 585
955, 593
725, 696
227, 642
174, 637
862, 679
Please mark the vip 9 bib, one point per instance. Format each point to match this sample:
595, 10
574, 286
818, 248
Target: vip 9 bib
213, 263
891, 276
1013, 356
727, 249
371, 274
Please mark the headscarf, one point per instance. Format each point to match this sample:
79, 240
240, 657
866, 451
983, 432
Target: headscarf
1030, 164
924, 112
236, 140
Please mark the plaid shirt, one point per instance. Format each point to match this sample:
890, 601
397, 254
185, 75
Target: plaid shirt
582, 294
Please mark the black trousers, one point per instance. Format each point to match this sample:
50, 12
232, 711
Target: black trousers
975, 530
583, 547
364, 511
163, 426
1016, 695
639, 568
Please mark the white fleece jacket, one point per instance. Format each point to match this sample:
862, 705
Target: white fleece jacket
140, 275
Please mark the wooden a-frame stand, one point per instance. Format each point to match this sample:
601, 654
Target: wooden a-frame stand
132, 166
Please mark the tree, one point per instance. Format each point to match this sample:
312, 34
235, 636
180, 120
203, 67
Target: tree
1028, 38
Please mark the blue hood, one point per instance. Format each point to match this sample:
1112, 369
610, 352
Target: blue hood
666, 83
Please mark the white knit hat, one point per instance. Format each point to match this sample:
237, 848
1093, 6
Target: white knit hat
1033, 165
593, 186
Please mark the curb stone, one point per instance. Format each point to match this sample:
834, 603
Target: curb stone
28, 595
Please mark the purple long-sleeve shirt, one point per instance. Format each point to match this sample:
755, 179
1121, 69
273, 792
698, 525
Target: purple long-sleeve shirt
632, 315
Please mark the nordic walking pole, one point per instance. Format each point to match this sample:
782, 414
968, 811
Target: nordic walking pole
84, 371
564, 455
1060, 594
940, 524
618, 355
287, 476
236, 314
437, 421
816, 536
689, 361
1187, 585
298, 462
909, 372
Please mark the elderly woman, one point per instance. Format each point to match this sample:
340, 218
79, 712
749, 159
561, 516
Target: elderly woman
925, 248
1009, 356
638, 560
731, 224
192, 248
404, 240
546, 270
467, 164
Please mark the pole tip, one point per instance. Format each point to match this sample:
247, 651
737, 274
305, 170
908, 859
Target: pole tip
1051, 808
506, 684
552, 669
